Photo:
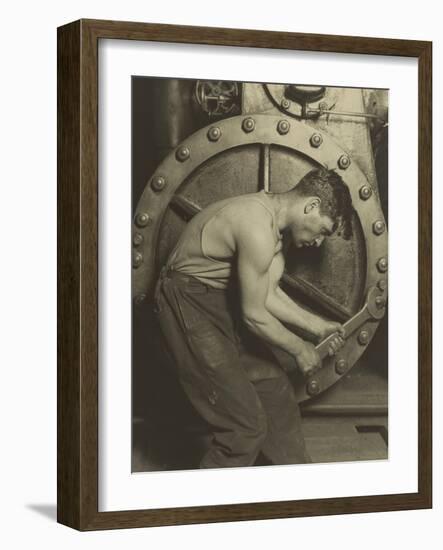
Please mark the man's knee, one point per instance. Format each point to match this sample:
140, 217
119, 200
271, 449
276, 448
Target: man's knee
254, 436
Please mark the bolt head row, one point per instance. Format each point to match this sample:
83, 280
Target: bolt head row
137, 259
316, 140
142, 219
214, 133
382, 265
283, 127
341, 366
313, 387
137, 239
382, 284
344, 162
158, 183
378, 227
285, 103
365, 192
183, 153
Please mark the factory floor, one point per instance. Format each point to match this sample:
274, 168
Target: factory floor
348, 422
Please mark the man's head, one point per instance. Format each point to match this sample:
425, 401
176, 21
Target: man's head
320, 205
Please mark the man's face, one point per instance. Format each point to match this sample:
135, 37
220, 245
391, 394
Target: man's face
310, 227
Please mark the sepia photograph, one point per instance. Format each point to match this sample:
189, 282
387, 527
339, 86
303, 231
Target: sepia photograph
259, 274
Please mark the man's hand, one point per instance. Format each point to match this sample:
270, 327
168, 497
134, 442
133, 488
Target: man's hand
329, 327
307, 358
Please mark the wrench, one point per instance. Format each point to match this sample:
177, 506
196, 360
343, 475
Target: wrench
373, 310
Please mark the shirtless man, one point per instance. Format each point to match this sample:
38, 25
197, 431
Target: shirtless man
219, 303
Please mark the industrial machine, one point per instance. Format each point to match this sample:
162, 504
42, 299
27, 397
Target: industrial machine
195, 142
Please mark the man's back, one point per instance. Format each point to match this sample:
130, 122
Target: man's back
207, 247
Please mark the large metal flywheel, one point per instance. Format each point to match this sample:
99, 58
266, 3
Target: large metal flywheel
244, 154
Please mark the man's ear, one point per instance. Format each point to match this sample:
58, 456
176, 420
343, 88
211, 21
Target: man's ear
311, 203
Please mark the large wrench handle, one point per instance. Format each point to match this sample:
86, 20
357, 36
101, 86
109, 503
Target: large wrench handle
372, 310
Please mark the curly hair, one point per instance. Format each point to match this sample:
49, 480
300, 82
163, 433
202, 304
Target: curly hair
334, 194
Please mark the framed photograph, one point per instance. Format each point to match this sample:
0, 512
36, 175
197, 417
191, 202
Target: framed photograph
230, 346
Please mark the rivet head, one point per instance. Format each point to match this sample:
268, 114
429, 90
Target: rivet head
316, 140
380, 302
341, 366
214, 133
365, 192
363, 337
142, 219
248, 124
137, 259
344, 162
182, 153
283, 127
158, 183
285, 103
137, 239
378, 227
313, 387
382, 284
382, 265
139, 299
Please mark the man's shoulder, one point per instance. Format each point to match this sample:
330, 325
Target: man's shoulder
249, 207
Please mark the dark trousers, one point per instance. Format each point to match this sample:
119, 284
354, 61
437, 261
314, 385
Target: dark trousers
211, 352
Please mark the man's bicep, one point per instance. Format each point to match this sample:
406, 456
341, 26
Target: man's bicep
255, 255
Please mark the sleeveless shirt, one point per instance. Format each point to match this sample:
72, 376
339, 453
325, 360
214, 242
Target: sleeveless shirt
188, 255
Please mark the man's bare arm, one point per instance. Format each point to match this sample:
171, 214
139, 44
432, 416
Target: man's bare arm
255, 252
288, 311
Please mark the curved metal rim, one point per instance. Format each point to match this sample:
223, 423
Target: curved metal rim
233, 133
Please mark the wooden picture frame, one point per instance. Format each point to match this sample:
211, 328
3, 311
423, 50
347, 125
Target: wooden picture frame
78, 273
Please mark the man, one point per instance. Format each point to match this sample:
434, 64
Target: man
219, 304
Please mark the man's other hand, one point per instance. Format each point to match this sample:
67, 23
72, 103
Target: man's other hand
308, 359
329, 327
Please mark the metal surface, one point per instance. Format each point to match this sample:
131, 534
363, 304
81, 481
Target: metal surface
246, 131
259, 130
372, 311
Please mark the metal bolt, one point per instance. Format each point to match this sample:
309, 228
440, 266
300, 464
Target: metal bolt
382, 284
344, 162
248, 124
363, 337
214, 133
316, 140
137, 239
378, 227
380, 302
382, 265
182, 153
142, 219
139, 299
283, 127
313, 387
285, 103
137, 259
158, 183
341, 366
365, 192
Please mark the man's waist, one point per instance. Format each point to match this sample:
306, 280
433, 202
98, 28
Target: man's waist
170, 273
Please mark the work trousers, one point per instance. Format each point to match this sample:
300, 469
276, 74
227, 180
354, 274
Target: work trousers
201, 329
